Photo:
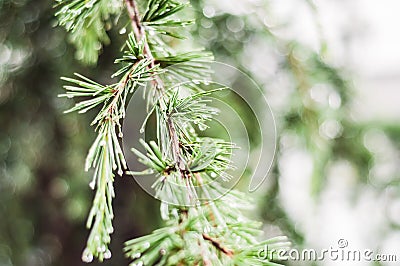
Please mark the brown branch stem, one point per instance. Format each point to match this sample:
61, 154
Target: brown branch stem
138, 29
218, 245
139, 33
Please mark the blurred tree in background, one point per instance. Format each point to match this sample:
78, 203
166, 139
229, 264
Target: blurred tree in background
44, 197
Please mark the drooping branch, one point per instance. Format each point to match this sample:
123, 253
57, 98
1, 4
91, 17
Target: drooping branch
139, 33
187, 165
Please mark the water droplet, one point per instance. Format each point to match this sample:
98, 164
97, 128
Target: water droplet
163, 252
110, 230
213, 175
202, 127
101, 249
122, 31
137, 255
92, 184
120, 134
146, 245
107, 254
87, 256
102, 143
207, 229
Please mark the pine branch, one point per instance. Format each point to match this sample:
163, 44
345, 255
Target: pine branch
138, 30
174, 113
189, 168
106, 155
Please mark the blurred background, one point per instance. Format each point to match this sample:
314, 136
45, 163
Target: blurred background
330, 70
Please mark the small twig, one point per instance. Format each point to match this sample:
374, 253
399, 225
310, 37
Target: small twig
218, 245
175, 146
139, 32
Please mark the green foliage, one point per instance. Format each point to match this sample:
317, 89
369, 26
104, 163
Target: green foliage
153, 159
212, 156
190, 109
44, 197
86, 88
87, 22
106, 155
161, 9
103, 155
157, 17
190, 169
194, 238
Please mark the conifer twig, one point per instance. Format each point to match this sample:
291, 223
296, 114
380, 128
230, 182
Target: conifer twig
218, 245
188, 167
139, 33
137, 28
